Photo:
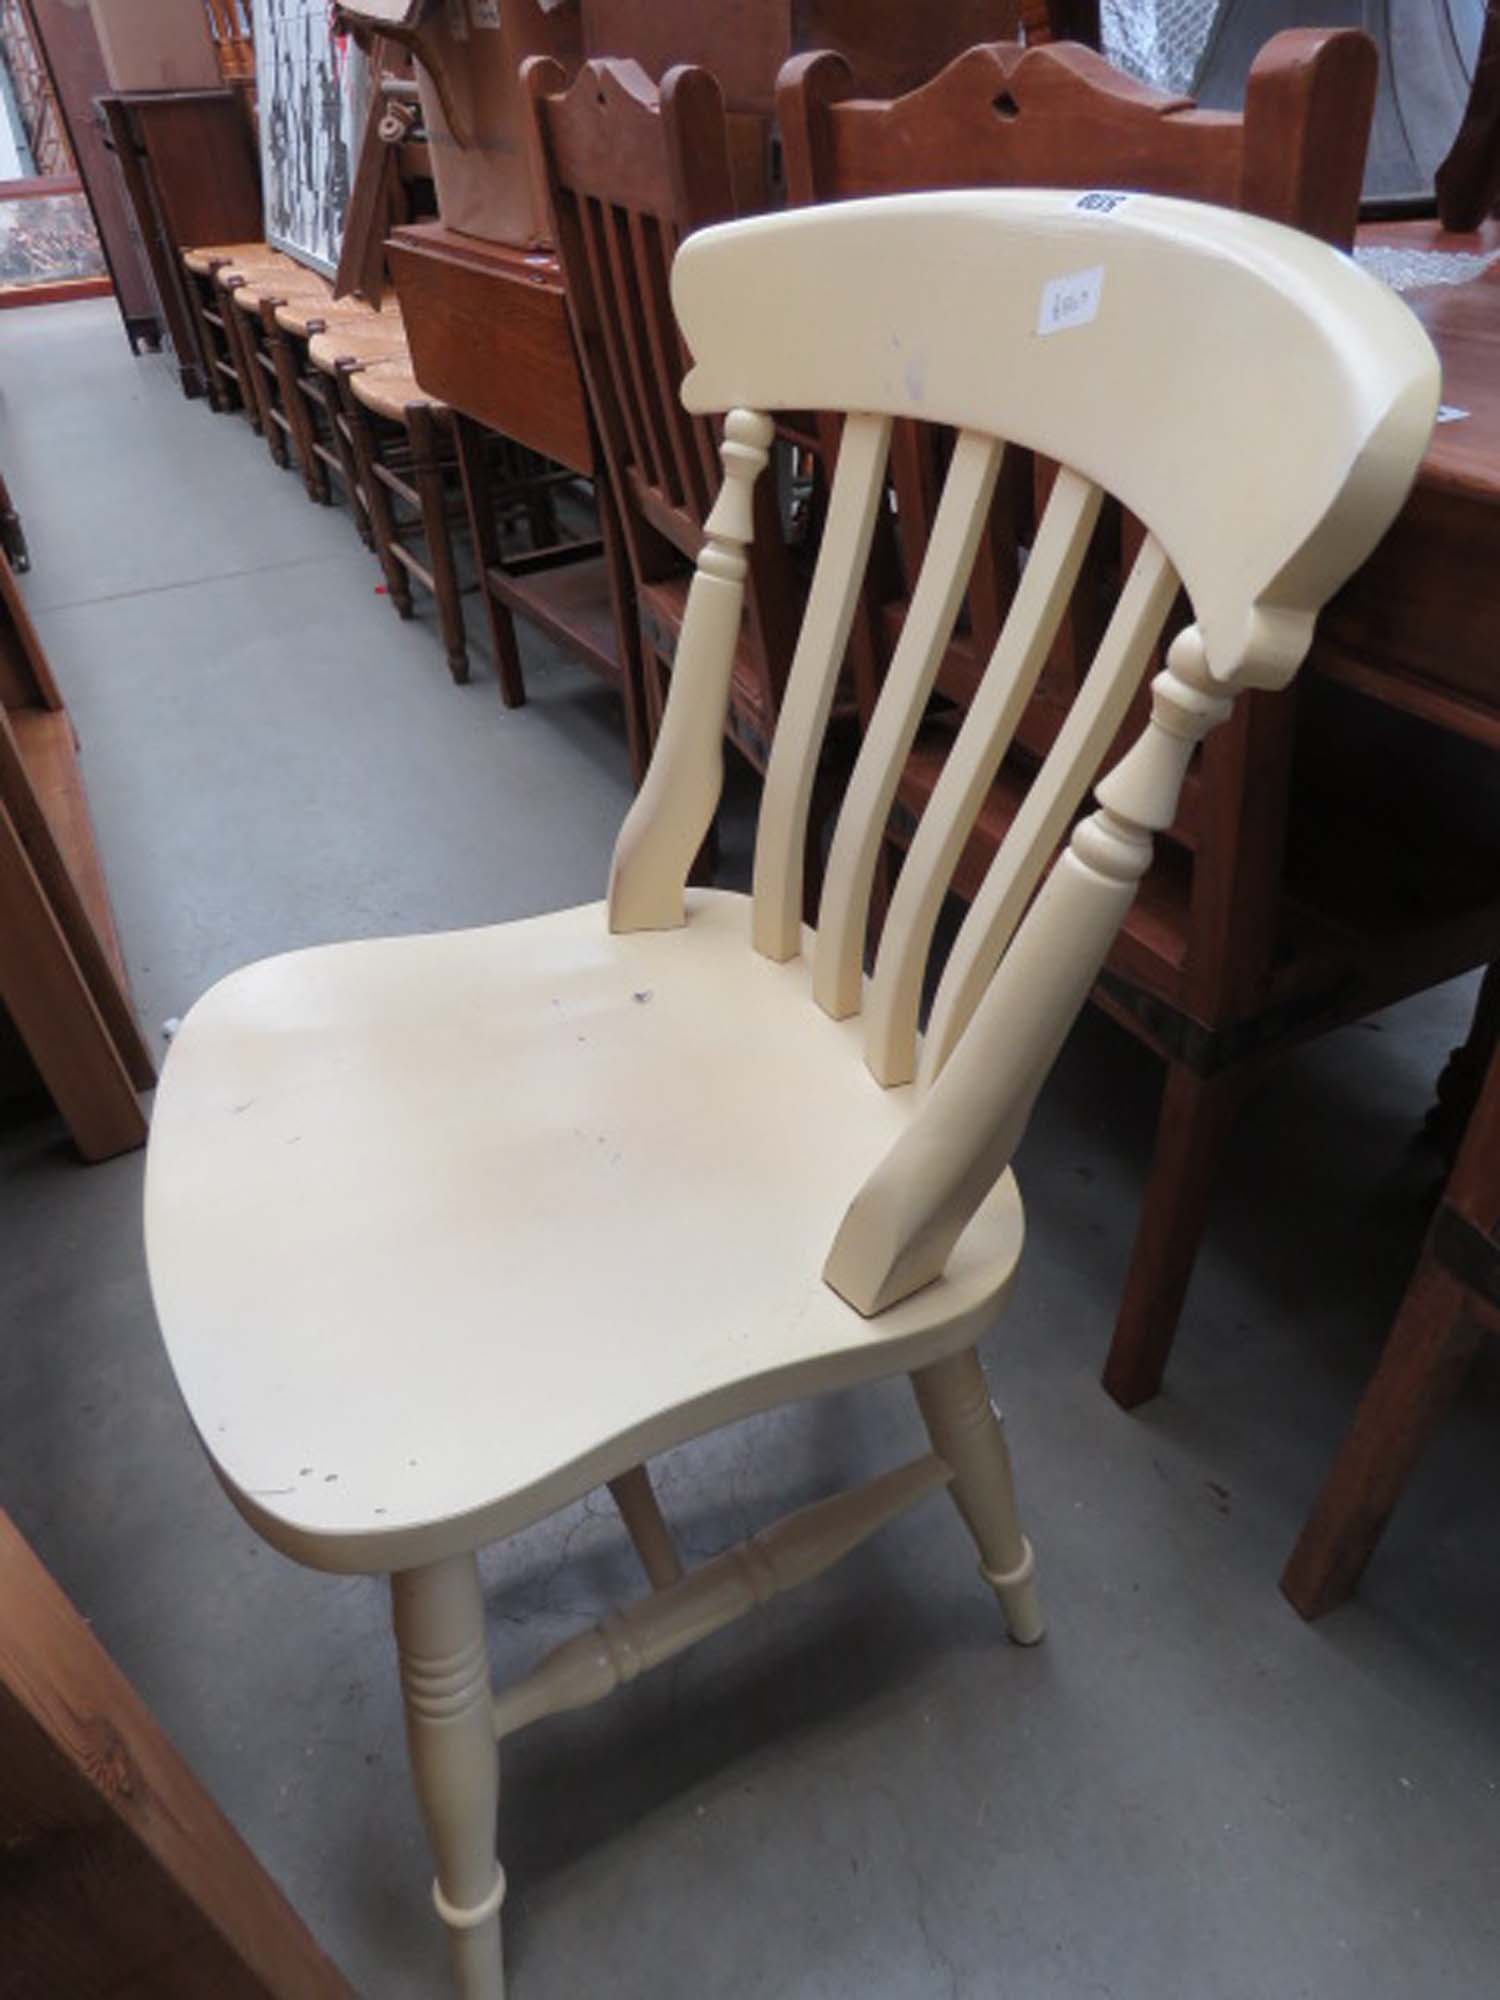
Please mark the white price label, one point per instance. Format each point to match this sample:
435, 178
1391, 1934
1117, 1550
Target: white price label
485, 13
1070, 301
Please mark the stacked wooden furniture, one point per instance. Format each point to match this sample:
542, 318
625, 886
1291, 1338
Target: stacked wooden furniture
630, 174
187, 160
62, 977
489, 332
69, 46
488, 319
232, 24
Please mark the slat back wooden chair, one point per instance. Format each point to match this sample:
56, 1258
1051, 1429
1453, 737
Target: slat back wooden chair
329, 437
1467, 184
631, 171
256, 296
1195, 956
407, 462
207, 270
232, 26
391, 1366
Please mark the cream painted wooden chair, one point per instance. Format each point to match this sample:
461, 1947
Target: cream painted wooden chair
446, 1231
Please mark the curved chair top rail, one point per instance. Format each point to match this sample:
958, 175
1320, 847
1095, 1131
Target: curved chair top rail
1178, 328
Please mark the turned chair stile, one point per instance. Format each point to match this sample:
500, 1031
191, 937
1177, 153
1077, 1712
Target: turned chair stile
632, 170
690, 1081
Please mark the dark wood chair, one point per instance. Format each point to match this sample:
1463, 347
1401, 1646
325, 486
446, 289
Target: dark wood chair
1468, 182
253, 298
329, 438
1451, 1304
631, 170
1200, 971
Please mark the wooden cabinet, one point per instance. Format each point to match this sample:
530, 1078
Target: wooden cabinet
187, 162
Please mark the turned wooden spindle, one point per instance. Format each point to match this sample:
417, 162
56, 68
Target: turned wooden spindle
445, 1682
680, 794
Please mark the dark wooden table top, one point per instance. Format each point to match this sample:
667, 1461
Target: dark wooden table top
1463, 321
1415, 628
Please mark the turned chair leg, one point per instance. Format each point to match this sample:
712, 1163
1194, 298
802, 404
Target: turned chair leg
293, 403
226, 283
966, 1434
1197, 1116
450, 1734
377, 499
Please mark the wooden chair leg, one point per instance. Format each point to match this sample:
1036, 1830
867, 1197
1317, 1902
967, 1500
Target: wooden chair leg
479, 499
636, 1499
1197, 1116
1463, 1075
245, 370
450, 1732
329, 406
293, 403
247, 336
377, 499
427, 476
213, 381
966, 1434
1434, 1338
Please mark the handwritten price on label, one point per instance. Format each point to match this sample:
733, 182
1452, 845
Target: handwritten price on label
1070, 301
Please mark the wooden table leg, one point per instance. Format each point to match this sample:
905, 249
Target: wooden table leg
1197, 1116
49, 1001
479, 499
427, 478
1437, 1331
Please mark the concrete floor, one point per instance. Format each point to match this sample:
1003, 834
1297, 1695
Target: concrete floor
1185, 1794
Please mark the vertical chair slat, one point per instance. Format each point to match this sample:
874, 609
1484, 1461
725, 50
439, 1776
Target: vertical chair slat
854, 500
838, 960
623, 298
680, 447
594, 231
1092, 723
969, 771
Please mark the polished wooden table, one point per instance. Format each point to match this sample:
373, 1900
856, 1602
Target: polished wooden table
489, 334
1418, 630
1417, 627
